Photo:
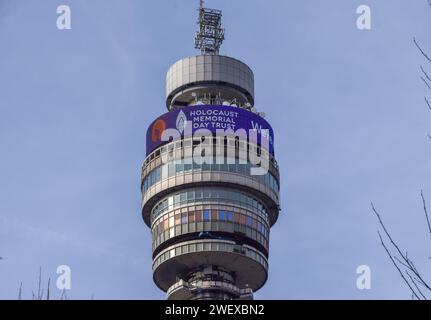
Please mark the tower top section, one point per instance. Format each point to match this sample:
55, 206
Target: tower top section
210, 35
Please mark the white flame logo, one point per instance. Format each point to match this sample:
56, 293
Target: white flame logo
181, 121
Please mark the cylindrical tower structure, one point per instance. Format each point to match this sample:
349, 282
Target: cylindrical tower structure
210, 192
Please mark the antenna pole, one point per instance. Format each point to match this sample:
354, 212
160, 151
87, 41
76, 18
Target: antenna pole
210, 35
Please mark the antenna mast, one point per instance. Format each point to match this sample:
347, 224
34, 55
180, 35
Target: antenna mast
210, 35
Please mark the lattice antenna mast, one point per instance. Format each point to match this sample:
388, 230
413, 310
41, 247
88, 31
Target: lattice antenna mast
210, 36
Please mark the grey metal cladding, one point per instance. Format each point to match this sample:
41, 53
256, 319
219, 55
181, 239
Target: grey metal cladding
209, 68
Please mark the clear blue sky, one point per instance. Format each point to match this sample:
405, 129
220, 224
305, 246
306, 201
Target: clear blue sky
346, 106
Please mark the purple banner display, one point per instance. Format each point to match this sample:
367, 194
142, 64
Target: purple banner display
211, 118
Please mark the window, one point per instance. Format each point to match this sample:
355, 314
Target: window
249, 221
259, 227
229, 216
190, 195
165, 171
206, 215
179, 168
227, 197
184, 219
222, 215
191, 217
171, 170
158, 173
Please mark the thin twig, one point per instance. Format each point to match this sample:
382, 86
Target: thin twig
418, 275
39, 297
426, 83
407, 263
20, 291
388, 235
63, 295
421, 50
402, 263
425, 73
396, 266
47, 291
425, 209
411, 266
416, 286
427, 101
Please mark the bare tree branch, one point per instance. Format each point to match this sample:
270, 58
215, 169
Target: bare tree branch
403, 258
63, 295
47, 291
425, 209
397, 267
426, 83
20, 292
416, 286
421, 50
427, 101
39, 297
425, 73
388, 235
411, 266
402, 263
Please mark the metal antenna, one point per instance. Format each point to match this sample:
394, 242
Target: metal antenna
210, 35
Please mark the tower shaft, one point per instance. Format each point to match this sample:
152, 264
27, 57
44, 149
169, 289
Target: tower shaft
210, 181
